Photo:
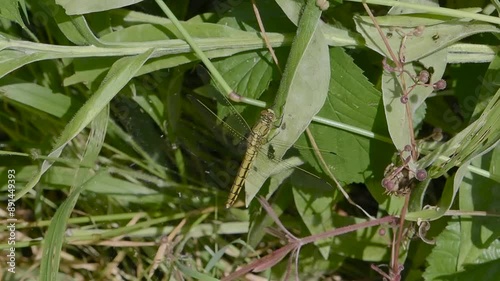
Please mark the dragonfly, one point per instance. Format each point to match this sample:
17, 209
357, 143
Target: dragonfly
258, 142
258, 136
257, 139
267, 155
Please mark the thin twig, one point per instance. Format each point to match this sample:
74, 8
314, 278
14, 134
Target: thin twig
327, 170
264, 35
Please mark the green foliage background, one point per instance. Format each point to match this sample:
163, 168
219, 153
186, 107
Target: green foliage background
112, 128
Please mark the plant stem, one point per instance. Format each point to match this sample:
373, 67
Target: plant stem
433, 10
215, 73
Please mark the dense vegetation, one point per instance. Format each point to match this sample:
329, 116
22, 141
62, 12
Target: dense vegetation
122, 130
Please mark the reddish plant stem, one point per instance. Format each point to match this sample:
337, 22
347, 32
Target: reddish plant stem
400, 231
294, 245
386, 42
346, 229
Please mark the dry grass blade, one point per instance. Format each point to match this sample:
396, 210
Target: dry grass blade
165, 242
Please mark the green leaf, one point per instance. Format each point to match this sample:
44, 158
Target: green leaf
364, 244
352, 100
55, 234
311, 265
88, 70
118, 76
75, 7
307, 71
444, 260
75, 28
271, 14
395, 111
12, 59
54, 237
335, 36
409, 20
314, 202
450, 190
478, 232
292, 9
38, 97
259, 221
248, 74
490, 87
10, 11
478, 137
482, 271
433, 36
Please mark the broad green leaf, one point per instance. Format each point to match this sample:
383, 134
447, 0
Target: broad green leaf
432, 37
248, 74
307, 71
312, 266
444, 261
314, 202
352, 100
396, 112
488, 270
118, 76
75, 7
365, 244
478, 232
